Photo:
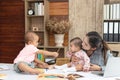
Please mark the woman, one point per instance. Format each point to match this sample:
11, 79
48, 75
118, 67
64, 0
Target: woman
96, 49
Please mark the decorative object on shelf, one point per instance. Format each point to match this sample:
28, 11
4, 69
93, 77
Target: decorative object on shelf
59, 28
35, 28
30, 12
59, 39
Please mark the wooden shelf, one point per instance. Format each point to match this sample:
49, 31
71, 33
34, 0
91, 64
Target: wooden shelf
35, 0
60, 50
35, 15
111, 20
113, 42
58, 0
41, 31
36, 22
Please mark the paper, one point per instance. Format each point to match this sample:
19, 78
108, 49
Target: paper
4, 67
61, 67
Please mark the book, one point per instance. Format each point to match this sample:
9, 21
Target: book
41, 57
40, 8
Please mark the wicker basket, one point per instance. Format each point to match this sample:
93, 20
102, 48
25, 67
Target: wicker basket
61, 61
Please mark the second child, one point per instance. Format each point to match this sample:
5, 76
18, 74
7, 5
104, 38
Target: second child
77, 56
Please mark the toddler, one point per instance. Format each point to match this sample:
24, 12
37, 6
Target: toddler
26, 61
77, 56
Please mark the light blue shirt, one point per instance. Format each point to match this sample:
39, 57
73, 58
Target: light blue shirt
97, 57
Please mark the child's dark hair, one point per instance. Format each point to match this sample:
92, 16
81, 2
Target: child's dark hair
30, 36
77, 42
96, 41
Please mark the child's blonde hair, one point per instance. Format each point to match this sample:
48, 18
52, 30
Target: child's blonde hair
30, 36
77, 42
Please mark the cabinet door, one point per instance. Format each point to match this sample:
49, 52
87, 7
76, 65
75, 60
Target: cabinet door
11, 29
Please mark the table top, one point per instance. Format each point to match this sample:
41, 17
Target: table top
12, 75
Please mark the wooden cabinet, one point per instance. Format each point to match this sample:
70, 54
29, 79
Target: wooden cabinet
35, 17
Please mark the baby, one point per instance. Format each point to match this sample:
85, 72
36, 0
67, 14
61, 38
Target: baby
26, 61
77, 56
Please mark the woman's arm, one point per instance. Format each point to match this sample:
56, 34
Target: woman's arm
94, 67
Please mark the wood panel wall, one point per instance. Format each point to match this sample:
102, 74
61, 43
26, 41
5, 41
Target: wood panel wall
58, 8
85, 15
11, 29
60, 11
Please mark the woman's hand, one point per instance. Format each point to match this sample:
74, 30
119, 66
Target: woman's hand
94, 67
79, 67
45, 65
69, 64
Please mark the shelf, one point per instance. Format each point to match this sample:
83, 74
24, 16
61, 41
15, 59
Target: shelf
113, 42
35, 0
41, 31
36, 21
60, 50
58, 0
51, 47
111, 20
35, 15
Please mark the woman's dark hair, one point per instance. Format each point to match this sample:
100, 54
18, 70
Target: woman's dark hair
77, 42
96, 41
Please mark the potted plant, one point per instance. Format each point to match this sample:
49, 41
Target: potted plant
59, 28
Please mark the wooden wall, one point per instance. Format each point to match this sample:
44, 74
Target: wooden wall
59, 10
85, 15
11, 29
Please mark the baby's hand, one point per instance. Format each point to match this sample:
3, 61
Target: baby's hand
55, 54
85, 69
51, 67
45, 65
